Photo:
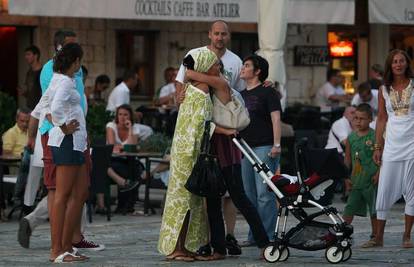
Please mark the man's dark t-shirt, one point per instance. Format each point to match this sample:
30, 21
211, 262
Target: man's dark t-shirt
33, 90
260, 102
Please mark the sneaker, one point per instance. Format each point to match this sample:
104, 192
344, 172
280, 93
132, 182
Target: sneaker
129, 185
24, 233
204, 250
248, 243
88, 245
233, 248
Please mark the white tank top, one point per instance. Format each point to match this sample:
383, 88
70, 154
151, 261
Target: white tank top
399, 138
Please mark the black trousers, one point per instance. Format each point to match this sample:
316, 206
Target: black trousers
234, 184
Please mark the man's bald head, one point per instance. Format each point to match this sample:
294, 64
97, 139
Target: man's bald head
219, 35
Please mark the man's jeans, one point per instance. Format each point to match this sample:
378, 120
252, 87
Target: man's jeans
257, 191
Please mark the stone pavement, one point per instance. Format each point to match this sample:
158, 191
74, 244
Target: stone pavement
132, 241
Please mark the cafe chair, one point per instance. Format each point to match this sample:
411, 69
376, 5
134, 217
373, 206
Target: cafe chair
101, 158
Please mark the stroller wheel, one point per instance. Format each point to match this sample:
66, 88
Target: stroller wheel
334, 255
269, 257
347, 254
284, 254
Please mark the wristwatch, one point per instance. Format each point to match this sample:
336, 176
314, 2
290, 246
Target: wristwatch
277, 145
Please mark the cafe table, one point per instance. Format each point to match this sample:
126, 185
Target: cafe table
131, 159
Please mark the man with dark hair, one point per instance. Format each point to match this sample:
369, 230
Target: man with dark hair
366, 95
31, 89
166, 94
331, 94
376, 74
101, 84
120, 94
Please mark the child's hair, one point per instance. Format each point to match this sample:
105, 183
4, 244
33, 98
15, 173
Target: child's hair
364, 107
65, 57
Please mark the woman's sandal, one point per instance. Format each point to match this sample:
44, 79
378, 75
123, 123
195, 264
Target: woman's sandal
407, 243
214, 257
62, 258
371, 244
179, 257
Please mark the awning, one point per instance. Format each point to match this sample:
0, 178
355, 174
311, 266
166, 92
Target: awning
391, 11
298, 11
321, 11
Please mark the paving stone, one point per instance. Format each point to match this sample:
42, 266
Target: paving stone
132, 241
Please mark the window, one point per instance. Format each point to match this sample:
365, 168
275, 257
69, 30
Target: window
135, 50
244, 44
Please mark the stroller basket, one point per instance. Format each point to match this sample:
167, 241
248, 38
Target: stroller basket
312, 236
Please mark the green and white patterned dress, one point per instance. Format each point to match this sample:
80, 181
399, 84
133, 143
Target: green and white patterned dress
194, 111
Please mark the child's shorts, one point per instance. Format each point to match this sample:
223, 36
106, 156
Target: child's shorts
359, 200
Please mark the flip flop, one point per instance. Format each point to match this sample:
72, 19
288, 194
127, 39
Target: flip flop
179, 257
61, 258
371, 244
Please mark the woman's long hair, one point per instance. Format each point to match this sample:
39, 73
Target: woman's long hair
388, 75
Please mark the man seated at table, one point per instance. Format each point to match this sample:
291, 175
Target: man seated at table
332, 95
15, 138
166, 94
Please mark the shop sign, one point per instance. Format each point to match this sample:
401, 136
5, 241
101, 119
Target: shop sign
341, 49
311, 55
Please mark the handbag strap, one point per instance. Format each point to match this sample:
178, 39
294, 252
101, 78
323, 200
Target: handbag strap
205, 143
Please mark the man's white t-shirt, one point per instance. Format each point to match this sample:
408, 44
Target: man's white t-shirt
339, 132
118, 97
167, 90
323, 94
356, 100
232, 67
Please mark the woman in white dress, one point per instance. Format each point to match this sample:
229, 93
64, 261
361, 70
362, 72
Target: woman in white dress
394, 147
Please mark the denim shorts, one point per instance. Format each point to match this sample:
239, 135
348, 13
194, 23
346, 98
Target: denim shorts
65, 155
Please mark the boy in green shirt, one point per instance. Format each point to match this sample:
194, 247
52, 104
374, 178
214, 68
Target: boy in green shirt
364, 178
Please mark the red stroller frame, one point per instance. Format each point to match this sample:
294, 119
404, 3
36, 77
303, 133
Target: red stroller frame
309, 234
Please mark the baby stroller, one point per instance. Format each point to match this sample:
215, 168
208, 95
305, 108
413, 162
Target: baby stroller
295, 194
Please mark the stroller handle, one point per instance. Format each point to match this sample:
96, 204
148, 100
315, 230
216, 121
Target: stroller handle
251, 156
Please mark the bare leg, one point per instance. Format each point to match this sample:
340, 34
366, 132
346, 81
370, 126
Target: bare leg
74, 208
230, 213
100, 202
115, 177
409, 220
65, 179
379, 236
374, 226
50, 202
180, 249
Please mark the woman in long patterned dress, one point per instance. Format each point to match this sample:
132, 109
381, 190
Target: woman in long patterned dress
395, 152
184, 224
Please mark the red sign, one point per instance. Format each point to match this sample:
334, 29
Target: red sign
341, 49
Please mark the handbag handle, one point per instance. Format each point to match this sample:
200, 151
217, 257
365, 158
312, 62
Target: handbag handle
205, 143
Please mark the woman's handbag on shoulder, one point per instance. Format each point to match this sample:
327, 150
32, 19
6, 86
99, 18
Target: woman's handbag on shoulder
233, 115
206, 179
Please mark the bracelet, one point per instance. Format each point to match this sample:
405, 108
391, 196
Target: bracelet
377, 146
